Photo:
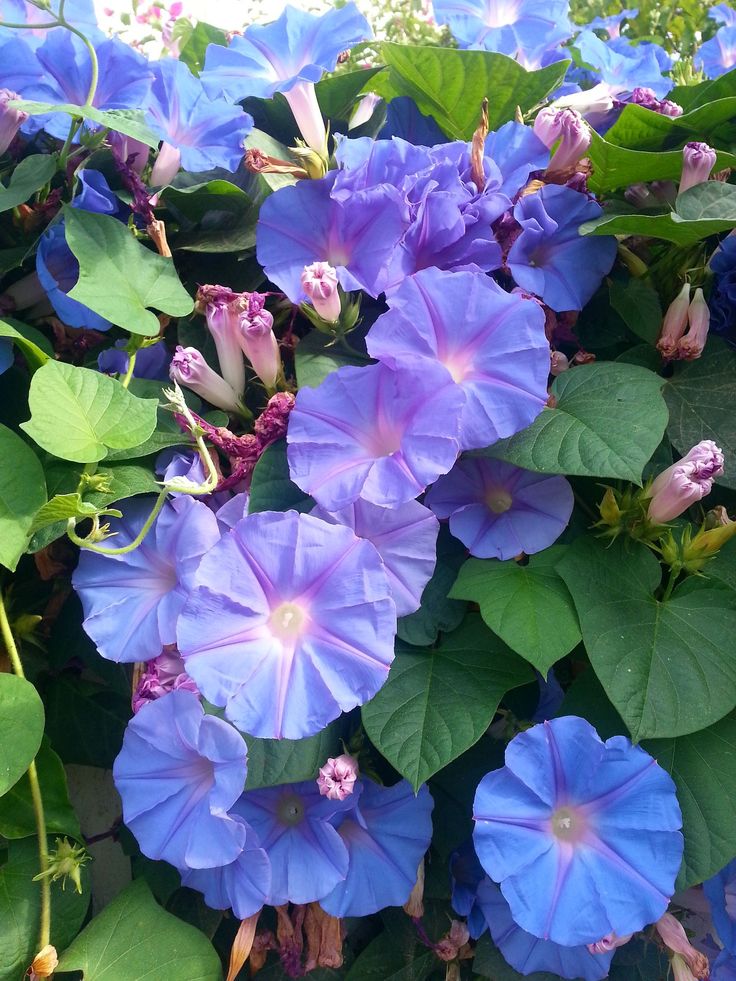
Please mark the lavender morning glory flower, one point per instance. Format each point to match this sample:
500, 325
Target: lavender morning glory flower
290, 623
374, 433
178, 774
724, 967
79, 13
131, 602
612, 25
498, 510
11, 119
293, 824
404, 537
717, 56
517, 151
622, 66
492, 343
386, 834
527, 953
359, 237
204, 133
583, 836
550, 258
721, 893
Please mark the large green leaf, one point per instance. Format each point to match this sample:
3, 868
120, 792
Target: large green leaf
20, 903
85, 721
34, 345
28, 177
78, 414
129, 122
118, 277
642, 129
609, 419
271, 488
21, 728
700, 396
703, 766
667, 667
276, 761
17, 817
638, 306
450, 85
528, 606
134, 939
22, 493
437, 703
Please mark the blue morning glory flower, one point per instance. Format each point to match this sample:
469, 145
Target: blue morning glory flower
623, 66
7, 355
405, 121
724, 967
612, 25
722, 300
723, 13
79, 13
466, 874
517, 152
583, 836
721, 893
718, 55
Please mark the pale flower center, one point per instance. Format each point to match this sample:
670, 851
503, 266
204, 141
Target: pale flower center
287, 621
499, 500
501, 12
567, 825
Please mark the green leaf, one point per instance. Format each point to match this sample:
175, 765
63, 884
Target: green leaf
22, 493
193, 50
78, 414
166, 434
129, 122
28, 177
20, 903
640, 960
437, 703
258, 140
450, 85
134, 939
118, 277
642, 129
21, 728
85, 721
638, 306
705, 93
609, 419
437, 613
60, 508
271, 488
196, 201
34, 345
275, 761
17, 818
700, 396
337, 94
383, 960
224, 214
667, 667
317, 356
708, 202
703, 766
528, 606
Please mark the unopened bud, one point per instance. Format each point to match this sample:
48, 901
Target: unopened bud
559, 363
569, 128
11, 119
221, 309
258, 162
364, 110
259, 344
595, 100
337, 777
685, 482
448, 948
189, 368
674, 323
166, 165
608, 943
673, 934
698, 315
698, 159
319, 282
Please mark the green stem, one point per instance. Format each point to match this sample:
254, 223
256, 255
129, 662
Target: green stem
674, 573
125, 380
124, 549
44, 936
30, 27
64, 154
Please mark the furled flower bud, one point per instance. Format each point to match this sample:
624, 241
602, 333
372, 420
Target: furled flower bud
11, 119
337, 777
674, 323
642, 96
364, 110
302, 99
608, 943
319, 282
190, 369
673, 934
44, 963
166, 166
163, 674
639, 195
559, 362
129, 151
595, 100
685, 482
448, 947
573, 133
257, 340
221, 309
698, 315
698, 159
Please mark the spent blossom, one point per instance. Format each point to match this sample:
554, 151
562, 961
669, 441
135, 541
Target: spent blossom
11, 119
189, 368
685, 482
319, 282
163, 674
568, 129
673, 934
674, 323
698, 159
698, 315
337, 777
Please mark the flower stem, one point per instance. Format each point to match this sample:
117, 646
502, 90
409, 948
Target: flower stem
44, 936
125, 380
124, 549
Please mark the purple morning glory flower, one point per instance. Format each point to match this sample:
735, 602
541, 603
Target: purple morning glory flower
583, 836
721, 893
529, 954
178, 774
724, 967
293, 824
550, 258
131, 602
612, 25
244, 885
517, 152
498, 510
79, 13
206, 133
386, 833
291, 622
359, 237
405, 121
723, 13
151, 362
404, 537
718, 55
622, 66
7, 355
466, 874
491, 342
374, 433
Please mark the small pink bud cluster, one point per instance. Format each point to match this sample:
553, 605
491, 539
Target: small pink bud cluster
698, 159
685, 326
319, 282
163, 674
450, 945
685, 482
337, 777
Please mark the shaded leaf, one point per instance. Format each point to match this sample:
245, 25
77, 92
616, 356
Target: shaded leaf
271, 488
17, 818
22, 493
28, 177
21, 728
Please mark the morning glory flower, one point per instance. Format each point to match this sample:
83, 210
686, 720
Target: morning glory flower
550, 258
498, 510
178, 774
151, 362
612, 25
288, 55
293, 824
517, 152
721, 893
582, 835
406, 539
718, 55
11, 119
374, 433
359, 238
405, 121
290, 623
529, 954
79, 13
204, 133
723, 13
386, 833
723, 967
622, 66
466, 874
491, 342
131, 602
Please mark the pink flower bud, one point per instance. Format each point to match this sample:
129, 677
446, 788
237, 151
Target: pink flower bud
698, 315
364, 110
163, 674
257, 340
11, 119
685, 482
591, 101
674, 323
639, 194
221, 309
166, 167
608, 943
190, 369
698, 159
559, 362
24, 293
546, 126
319, 282
573, 133
673, 934
302, 99
337, 777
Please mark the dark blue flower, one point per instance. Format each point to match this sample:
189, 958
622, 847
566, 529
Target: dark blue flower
721, 893
404, 120
718, 55
150, 362
466, 874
